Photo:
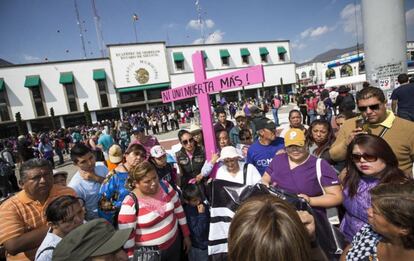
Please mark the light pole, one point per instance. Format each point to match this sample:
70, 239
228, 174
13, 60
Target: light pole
134, 20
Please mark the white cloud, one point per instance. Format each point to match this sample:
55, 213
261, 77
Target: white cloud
215, 37
348, 19
29, 58
197, 24
315, 32
298, 46
409, 17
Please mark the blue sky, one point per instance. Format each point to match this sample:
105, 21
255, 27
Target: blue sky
35, 30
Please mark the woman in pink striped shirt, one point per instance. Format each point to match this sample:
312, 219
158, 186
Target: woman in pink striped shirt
159, 214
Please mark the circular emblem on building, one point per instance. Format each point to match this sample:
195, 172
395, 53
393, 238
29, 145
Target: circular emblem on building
142, 75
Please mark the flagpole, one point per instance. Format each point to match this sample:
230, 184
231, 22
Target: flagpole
134, 20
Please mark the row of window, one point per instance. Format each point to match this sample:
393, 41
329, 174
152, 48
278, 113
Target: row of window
39, 101
345, 71
178, 57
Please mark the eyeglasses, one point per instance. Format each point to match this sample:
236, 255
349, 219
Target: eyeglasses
374, 107
367, 157
245, 138
185, 142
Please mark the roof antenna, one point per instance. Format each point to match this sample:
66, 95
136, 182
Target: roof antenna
80, 29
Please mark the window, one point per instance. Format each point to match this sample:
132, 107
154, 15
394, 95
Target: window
263, 58
330, 74
281, 51
134, 96
71, 96
179, 65
103, 93
38, 101
346, 70
153, 94
311, 73
225, 61
303, 75
282, 57
245, 59
4, 109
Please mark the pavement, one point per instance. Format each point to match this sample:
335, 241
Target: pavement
170, 138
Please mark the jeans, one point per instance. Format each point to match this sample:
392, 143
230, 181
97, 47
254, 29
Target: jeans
275, 117
197, 254
312, 116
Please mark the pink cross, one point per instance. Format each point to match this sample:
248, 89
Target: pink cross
202, 87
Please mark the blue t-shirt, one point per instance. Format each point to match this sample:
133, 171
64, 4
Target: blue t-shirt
106, 141
404, 95
261, 155
89, 190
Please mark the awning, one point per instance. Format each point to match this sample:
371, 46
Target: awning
346, 80
244, 52
224, 53
178, 57
1, 84
66, 78
263, 51
281, 50
32, 81
99, 75
204, 55
143, 87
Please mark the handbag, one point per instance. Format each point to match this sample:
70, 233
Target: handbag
327, 229
144, 253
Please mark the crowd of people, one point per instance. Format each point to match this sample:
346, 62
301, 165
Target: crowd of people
334, 183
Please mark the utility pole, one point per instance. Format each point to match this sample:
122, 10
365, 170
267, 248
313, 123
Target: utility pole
80, 29
98, 29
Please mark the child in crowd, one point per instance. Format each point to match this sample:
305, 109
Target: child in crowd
198, 219
60, 177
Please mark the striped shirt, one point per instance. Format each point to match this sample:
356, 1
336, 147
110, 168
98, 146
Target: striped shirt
21, 214
151, 229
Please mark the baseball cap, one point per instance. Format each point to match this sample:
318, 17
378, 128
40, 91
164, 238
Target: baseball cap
265, 123
115, 154
95, 238
295, 137
157, 151
239, 114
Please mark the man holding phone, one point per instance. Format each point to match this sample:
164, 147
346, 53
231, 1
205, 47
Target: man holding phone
377, 120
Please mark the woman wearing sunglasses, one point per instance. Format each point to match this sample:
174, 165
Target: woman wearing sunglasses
370, 162
190, 158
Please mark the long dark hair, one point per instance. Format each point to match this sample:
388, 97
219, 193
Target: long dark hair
376, 146
329, 140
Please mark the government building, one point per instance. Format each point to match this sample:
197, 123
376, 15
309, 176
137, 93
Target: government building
131, 79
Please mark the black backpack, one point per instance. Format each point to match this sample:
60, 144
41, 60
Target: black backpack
6, 171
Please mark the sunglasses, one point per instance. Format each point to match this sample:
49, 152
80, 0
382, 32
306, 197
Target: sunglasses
374, 107
367, 157
185, 142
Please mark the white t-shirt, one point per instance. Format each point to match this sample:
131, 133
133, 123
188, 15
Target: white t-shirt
252, 177
51, 240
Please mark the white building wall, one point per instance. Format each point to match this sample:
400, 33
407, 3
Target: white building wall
20, 97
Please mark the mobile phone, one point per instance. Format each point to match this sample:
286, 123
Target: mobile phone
359, 123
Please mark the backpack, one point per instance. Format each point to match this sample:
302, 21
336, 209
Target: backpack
321, 108
5, 172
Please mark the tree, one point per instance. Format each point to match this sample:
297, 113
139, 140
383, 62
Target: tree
19, 122
87, 114
52, 118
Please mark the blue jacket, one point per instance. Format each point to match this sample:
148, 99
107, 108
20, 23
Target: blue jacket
199, 226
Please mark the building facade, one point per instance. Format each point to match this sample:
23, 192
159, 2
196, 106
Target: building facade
346, 68
131, 79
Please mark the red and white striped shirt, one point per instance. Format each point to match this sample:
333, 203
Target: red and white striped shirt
149, 228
